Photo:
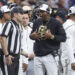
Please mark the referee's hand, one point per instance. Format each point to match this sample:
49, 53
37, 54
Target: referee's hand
9, 60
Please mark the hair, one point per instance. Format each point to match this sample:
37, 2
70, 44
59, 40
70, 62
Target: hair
1, 14
16, 10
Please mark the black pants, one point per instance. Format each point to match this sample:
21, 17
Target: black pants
2, 64
13, 69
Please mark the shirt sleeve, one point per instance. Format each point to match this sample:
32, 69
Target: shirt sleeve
6, 29
60, 35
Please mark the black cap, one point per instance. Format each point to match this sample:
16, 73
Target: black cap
62, 13
17, 10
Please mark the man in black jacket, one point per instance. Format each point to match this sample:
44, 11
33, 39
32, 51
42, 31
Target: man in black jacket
48, 33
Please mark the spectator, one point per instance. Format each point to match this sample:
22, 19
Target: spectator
27, 46
61, 4
28, 9
61, 15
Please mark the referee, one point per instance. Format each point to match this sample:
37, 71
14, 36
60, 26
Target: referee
11, 41
5, 15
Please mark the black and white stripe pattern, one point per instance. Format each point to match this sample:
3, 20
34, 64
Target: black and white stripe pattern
12, 31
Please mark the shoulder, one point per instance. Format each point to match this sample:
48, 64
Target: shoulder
7, 23
55, 22
68, 24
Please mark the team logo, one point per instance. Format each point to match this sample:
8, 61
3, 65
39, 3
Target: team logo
42, 30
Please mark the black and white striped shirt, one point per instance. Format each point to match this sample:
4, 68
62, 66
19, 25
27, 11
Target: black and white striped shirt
12, 31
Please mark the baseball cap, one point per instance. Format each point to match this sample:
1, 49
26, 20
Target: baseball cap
71, 10
62, 13
26, 9
17, 9
5, 9
45, 7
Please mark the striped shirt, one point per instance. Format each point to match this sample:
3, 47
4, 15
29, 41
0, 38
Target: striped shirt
12, 31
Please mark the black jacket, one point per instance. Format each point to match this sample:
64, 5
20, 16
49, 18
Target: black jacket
44, 47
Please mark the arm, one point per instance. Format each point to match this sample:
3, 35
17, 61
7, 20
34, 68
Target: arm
70, 46
60, 35
5, 51
34, 33
4, 34
4, 45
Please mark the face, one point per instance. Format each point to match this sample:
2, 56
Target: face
30, 14
19, 17
25, 19
7, 16
44, 15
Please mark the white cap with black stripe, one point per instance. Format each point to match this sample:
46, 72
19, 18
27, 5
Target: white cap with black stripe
5, 9
45, 7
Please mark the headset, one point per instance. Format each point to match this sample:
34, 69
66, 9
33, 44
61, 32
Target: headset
49, 9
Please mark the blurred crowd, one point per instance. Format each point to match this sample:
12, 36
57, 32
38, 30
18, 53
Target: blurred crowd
53, 3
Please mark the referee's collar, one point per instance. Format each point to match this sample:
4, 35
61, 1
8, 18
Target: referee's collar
15, 22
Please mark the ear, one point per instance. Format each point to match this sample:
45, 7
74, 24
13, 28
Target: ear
15, 15
1, 14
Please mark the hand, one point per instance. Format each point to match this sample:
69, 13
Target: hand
36, 35
73, 66
31, 56
47, 34
9, 60
24, 66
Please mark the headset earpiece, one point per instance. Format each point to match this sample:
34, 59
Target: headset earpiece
49, 10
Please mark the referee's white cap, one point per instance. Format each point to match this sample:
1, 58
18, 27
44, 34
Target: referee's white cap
5, 9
